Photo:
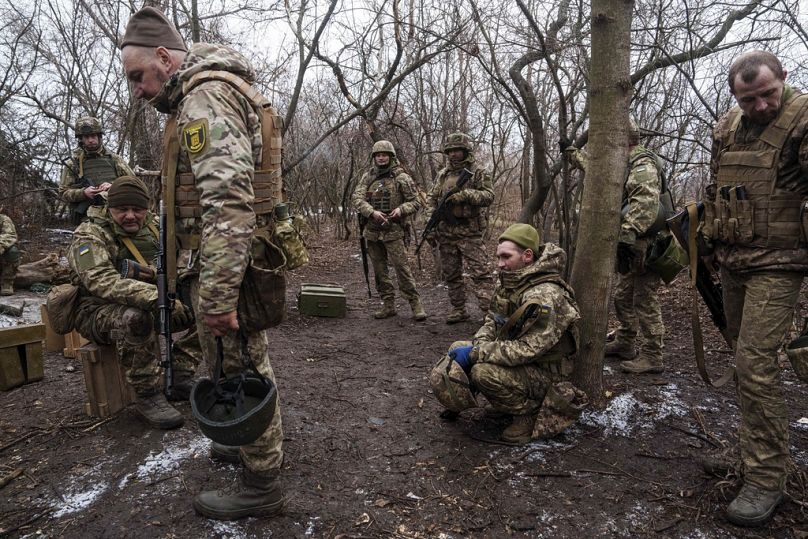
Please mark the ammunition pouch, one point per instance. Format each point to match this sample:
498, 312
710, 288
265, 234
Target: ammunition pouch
262, 297
61, 305
288, 238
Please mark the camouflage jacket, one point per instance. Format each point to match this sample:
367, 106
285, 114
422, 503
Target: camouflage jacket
792, 176
96, 254
476, 195
69, 189
557, 315
402, 194
8, 234
223, 168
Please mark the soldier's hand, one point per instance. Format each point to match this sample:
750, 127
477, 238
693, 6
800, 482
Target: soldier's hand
461, 357
395, 214
90, 192
220, 324
379, 217
182, 317
104, 186
625, 257
456, 198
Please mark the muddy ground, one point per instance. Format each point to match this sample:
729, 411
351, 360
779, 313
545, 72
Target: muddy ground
367, 455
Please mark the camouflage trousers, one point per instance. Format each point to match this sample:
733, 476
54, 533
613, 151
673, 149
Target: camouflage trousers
265, 455
9, 262
636, 306
394, 251
453, 251
760, 309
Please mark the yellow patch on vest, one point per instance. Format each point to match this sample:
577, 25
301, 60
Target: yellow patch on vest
195, 136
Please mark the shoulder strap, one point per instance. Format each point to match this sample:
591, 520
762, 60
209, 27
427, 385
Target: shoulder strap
134, 250
776, 134
171, 151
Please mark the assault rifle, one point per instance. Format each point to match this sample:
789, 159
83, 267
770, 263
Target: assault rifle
443, 211
363, 246
165, 301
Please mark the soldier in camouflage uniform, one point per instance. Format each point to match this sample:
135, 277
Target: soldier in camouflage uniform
385, 197
460, 232
753, 217
90, 170
529, 335
9, 254
221, 143
636, 302
115, 310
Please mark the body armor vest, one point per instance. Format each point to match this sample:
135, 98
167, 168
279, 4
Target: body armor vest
382, 192
145, 243
97, 169
749, 208
462, 210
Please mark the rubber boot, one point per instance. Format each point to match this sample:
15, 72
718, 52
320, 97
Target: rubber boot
753, 505
457, 315
255, 496
520, 431
7, 287
620, 349
225, 453
388, 309
155, 410
418, 311
642, 365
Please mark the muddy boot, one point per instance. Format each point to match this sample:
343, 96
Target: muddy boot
642, 365
520, 431
225, 453
718, 465
155, 410
753, 505
7, 287
255, 496
387, 310
418, 311
458, 314
620, 349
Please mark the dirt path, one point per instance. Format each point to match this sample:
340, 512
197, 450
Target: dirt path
367, 456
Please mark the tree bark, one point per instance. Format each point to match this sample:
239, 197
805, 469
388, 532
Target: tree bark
610, 95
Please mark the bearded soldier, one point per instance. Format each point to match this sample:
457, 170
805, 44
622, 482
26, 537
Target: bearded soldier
385, 197
222, 155
112, 309
519, 359
9, 254
90, 170
467, 191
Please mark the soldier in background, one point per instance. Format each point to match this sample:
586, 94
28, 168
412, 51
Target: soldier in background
386, 197
520, 358
9, 254
90, 170
460, 231
115, 310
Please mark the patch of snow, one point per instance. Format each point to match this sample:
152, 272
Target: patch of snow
78, 501
167, 460
232, 530
625, 413
310, 527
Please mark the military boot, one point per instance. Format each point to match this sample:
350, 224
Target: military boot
181, 390
255, 496
719, 465
520, 431
155, 410
642, 365
388, 309
753, 505
620, 349
7, 287
458, 314
225, 453
418, 311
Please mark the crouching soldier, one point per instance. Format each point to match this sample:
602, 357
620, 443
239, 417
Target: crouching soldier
519, 359
112, 309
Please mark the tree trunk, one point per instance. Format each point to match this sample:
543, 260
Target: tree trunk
610, 95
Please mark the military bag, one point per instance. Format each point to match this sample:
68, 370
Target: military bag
62, 304
666, 258
262, 297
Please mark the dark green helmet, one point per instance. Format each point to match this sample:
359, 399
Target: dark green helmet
88, 125
455, 141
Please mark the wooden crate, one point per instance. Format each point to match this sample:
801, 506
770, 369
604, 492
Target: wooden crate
54, 342
105, 380
21, 355
73, 341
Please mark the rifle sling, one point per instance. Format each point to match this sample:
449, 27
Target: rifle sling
134, 250
698, 340
514, 319
171, 145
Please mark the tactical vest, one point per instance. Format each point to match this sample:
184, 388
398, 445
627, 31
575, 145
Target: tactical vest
97, 169
143, 247
749, 208
382, 192
267, 183
462, 210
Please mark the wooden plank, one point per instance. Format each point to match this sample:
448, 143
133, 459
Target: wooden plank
16, 335
53, 341
11, 374
105, 380
32, 365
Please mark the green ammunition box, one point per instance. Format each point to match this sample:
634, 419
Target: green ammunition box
321, 300
21, 355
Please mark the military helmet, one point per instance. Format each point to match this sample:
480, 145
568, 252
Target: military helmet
383, 146
797, 352
88, 125
234, 411
456, 141
451, 385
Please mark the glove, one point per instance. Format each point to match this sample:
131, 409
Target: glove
182, 317
461, 357
625, 257
563, 144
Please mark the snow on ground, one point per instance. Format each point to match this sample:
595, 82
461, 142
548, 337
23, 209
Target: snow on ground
625, 414
166, 461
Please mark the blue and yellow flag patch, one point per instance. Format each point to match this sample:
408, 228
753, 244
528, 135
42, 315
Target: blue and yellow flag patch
84, 249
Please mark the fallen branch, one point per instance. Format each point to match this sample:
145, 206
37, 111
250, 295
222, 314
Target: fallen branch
9, 531
22, 438
12, 310
10, 477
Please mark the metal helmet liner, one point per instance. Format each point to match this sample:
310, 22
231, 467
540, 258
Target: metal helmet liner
451, 385
88, 125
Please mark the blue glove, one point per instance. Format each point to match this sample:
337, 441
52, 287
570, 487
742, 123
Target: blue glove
461, 356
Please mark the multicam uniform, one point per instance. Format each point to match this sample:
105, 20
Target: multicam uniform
385, 190
220, 136
463, 238
759, 238
97, 167
9, 254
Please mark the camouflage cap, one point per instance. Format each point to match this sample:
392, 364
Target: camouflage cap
523, 235
128, 191
88, 125
149, 27
451, 385
457, 141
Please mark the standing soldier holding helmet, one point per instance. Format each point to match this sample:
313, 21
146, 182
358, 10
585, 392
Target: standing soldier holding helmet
90, 170
385, 197
467, 190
